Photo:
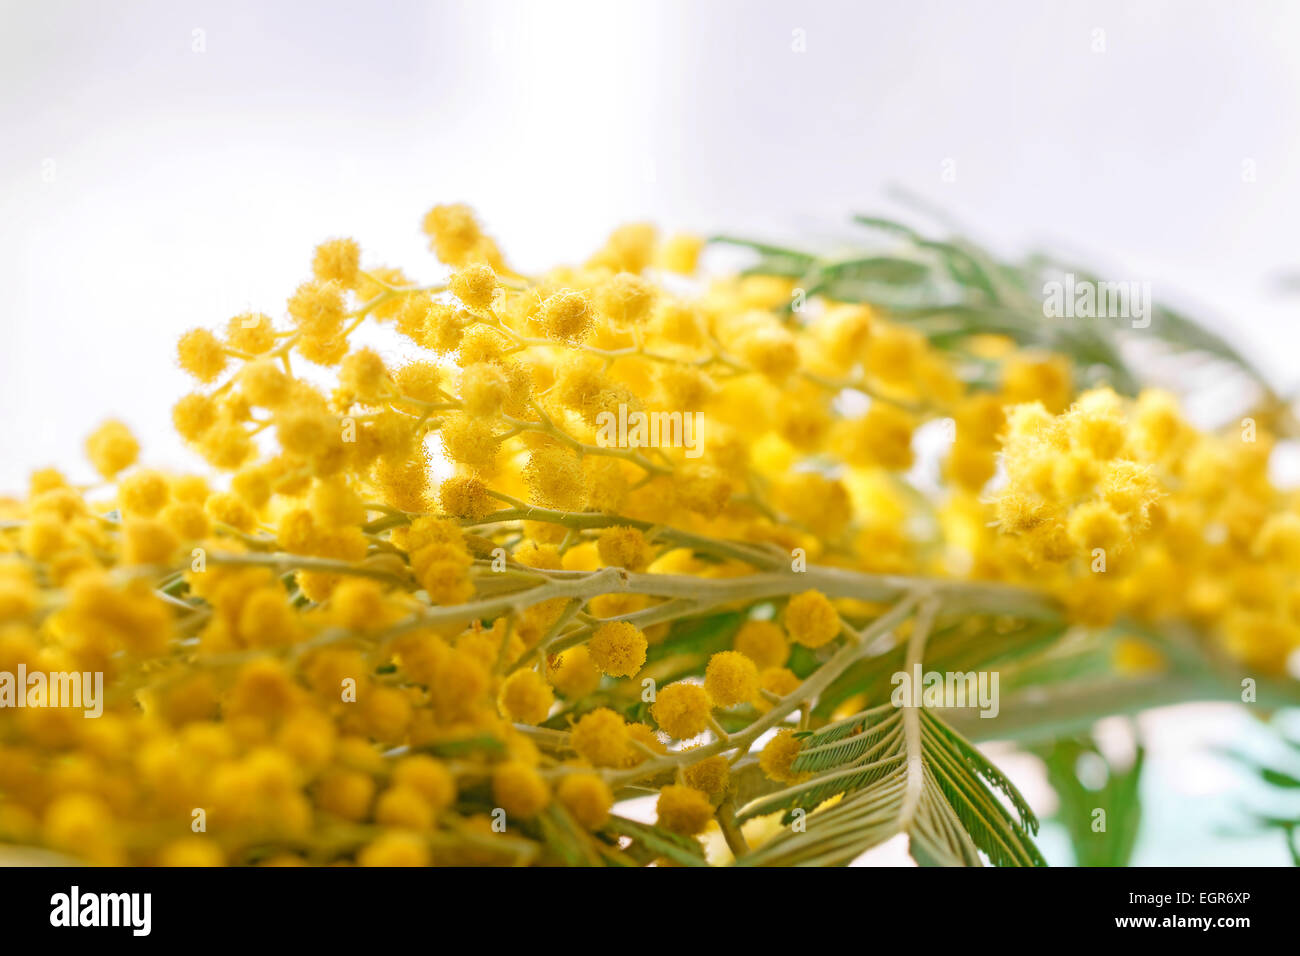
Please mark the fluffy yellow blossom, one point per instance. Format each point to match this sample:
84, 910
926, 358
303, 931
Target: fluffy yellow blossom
731, 678
810, 619
618, 648
567, 316
427, 776
143, 493
575, 674
338, 260
318, 308
201, 354
526, 697
601, 738
710, 775
763, 642
683, 810
587, 798
111, 448
395, 848
519, 789
682, 710
625, 547
778, 755
681, 253
475, 286
251, 332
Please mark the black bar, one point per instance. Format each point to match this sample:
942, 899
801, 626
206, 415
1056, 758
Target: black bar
484, 906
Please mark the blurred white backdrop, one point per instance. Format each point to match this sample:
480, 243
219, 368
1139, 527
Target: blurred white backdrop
169, 164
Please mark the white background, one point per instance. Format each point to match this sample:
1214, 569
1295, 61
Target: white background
146, 187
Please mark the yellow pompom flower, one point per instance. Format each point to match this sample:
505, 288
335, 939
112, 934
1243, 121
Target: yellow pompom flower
358, 604
471, 442
265, 383
519, 790
778, 681
201, 354
629, 248
618, 648
334, 503
624, 547
192, 851
763, 642
346, 794
587, 798
337, 260
402, 806
683, 810
575, 674
1038, 379
395, 848
251, 332
777, 756
601, 738
678, 323
712, 775
681, 253
143, 493
317, 307
483, 389
145, 541
772, 351
476, 286
465, 497
429, 777
731, 678
626, 299
567, 316
364, 374
881, 437
811, 620
682, 710
555, 479
112, 448
1279, 539
1095, 524
457, 238
525, 697
193, 415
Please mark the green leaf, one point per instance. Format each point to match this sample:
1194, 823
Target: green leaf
568, 841
1119, 797
658, 842
951, 289
969, 645
887, 269
484, 744
897, 770
703, 635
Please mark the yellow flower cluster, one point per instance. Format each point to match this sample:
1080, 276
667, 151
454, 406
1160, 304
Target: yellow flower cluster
1074, 484
422, 609
1123, 509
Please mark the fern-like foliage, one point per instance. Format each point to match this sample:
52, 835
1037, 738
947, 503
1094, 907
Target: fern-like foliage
951, 288
895, 770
